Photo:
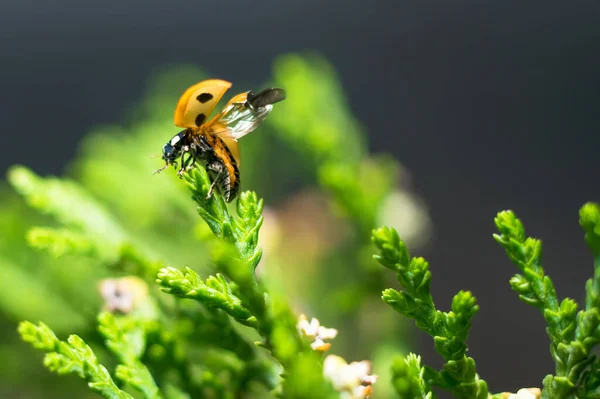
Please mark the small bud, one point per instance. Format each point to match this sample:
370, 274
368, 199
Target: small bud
589, 220
509, 226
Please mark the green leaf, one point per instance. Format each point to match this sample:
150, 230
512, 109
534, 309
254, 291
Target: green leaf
59, 242
589, 220
573, 334
409, 378
68, 202
73, 356
303, 379
393, 252
509, 227
449, 330
139, 377
41, 300
214, 293
125, 336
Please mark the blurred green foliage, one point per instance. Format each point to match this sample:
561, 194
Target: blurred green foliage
110, 217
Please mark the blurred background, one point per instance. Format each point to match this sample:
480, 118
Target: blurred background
450, 111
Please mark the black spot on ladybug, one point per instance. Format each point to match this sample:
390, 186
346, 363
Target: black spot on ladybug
200, 119
204, 97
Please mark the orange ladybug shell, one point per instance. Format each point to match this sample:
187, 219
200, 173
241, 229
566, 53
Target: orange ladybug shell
234, 147
198, 101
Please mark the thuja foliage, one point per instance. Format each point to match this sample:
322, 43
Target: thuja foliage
258, 343
214, 324
251, 339
448, 329
573, 333
203, 317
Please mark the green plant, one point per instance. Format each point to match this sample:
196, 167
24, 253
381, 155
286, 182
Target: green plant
448, 329
210, 306
361, 190
278, 345
573, 334
219, 330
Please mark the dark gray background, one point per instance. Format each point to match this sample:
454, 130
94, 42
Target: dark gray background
489, 104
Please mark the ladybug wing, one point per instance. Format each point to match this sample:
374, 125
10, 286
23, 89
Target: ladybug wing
244, 113
198, 101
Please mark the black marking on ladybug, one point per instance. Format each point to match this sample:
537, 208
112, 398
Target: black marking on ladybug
200, 119
204, 97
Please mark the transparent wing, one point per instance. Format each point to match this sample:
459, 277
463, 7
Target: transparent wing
238, 118
244, 113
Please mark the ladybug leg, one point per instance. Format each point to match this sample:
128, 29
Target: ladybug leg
188, 164
184, 152
213, 184
191, 160
220, 173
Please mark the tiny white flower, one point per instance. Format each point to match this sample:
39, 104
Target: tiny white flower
315, 331
524, 393
362, 392
310, 329
122, 294
351, 380
326, 333
320, 345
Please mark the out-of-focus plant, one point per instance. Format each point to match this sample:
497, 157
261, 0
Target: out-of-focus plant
573, 334
269, 358
110, 218
316, 121
357, 191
